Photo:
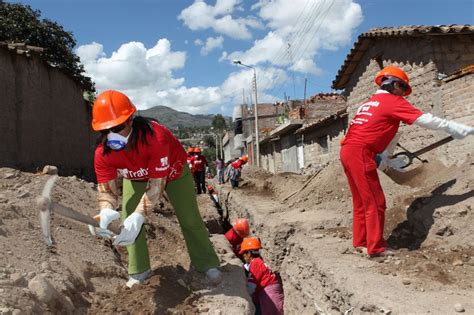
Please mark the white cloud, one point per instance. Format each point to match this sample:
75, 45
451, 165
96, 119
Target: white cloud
201, 16
299, 29
211, 44
198, 42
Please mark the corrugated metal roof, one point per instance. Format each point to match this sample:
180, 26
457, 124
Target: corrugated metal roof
365, 40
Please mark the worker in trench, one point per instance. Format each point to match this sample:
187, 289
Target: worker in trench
151, 160
373, 127
262, 282
235, 235
235, 170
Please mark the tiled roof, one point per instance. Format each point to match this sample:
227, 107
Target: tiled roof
321, 121
365, 39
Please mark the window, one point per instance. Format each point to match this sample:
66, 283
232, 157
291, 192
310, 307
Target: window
323, 144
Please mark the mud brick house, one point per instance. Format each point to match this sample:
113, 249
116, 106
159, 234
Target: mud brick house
310, 135
439, 61
45, 119
267, 120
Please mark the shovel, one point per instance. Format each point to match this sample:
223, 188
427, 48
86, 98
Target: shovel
408, 156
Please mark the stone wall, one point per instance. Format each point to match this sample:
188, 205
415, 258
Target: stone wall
45, 119
322, 145
426, 60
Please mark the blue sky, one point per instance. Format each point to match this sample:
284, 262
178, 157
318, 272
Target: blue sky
179, 53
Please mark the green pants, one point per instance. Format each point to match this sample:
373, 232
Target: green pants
183, 199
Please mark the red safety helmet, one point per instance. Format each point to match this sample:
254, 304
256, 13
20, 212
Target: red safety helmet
392, 71
111, 108
190, 150
241, 227
250, 243
210, 188
197, 150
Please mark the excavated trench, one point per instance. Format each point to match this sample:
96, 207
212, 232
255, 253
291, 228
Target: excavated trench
305, 227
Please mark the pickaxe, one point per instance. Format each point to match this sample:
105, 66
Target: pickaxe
46, 206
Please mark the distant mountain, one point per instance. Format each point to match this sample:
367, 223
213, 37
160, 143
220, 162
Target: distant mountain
172, 118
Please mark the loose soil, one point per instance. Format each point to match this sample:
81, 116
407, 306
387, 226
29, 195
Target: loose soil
306, 232
87, 275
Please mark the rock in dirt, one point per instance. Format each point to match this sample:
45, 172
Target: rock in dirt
459, 308
406, 281
42, 288
50, 170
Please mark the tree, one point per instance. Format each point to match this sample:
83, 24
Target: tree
219, 123
21, 24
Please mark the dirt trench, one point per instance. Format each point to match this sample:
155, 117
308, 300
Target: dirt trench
304, 223
82, 274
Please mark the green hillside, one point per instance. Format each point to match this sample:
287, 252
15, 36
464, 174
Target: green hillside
172, 118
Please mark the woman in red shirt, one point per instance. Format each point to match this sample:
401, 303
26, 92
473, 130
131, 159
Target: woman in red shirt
268, 292
150, 160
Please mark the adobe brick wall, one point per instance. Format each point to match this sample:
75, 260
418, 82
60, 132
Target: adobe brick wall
423, 58
314, 154
45, 119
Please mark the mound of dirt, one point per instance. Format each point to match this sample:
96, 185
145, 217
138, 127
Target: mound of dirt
305, 224
81, 273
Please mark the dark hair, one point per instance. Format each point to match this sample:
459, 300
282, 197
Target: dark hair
141, 127
388, 84
254, 253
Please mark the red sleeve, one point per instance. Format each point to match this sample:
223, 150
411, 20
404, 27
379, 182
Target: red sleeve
406, 112
158, 150
257, 269
104, 171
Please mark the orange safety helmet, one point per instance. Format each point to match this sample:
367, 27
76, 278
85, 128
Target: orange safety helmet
244, 158
250, 243
394, 72
197, 150
190, 150
241, 227
210, 188
111, 108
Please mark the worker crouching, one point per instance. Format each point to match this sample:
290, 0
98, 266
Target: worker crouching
263, 284
235, 235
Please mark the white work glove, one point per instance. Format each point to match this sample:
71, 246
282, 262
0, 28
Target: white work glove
458, 130
131, 228
393, 163
100, 232
107, 215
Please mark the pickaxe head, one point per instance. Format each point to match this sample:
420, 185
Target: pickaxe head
44, 204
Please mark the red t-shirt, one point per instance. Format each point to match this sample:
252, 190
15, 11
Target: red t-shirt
198, 163
237, 164
235, 240
262, 275
162, 156
377, 120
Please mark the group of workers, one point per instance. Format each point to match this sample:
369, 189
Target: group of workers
151, 160
262, 283
198, 165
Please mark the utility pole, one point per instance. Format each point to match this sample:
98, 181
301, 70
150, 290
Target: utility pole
257, 140
305, 81
257, 143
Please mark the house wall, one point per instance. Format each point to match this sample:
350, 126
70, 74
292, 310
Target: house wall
45, 119
314, 153
424, 58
